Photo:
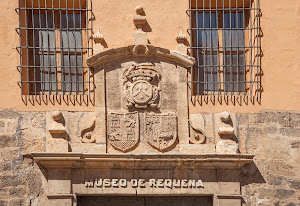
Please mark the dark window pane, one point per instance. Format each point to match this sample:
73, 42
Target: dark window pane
44, 36
207, 37
47, 72
234, 72
208, 72
72, 76
233, 35
72, 37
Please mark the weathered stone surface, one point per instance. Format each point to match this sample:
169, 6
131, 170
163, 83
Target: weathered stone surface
17, 192
11, 180
197, 149
226, 147
273, 178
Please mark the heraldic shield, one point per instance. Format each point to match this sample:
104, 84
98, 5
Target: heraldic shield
123, 130
161, 130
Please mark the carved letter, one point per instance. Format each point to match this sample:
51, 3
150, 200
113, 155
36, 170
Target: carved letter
114, 183
176, 183
160, 183
192, 183
152, 183
142, 183
89, 183
134, 182
98, 182
123, 183
184, 183
106, 182
200, 184
168, 183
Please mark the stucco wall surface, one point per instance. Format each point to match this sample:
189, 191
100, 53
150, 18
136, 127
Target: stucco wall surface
280, 22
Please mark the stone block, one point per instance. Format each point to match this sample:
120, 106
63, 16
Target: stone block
59, 181
197, 149
229, 188
57, 145
18, 192
60, 202
8, 114
8, 141
230, 202
226, 147
89, 148
35, 183
140, 38
31, 145
11, 180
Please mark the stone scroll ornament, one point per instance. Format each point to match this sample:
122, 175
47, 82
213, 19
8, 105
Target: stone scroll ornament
142, 85
123, 130
161, 130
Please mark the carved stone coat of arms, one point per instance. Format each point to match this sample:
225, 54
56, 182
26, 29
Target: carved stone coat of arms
161, 130
123, 130
142, 85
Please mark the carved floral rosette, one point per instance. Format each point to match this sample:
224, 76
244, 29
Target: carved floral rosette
123, 130
142, 85
161, 130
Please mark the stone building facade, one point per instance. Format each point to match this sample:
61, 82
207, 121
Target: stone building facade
123, 104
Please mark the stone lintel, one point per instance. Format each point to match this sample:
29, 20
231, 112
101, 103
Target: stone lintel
148, 161
109, 55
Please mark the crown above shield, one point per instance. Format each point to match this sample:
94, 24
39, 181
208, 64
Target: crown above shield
142, 71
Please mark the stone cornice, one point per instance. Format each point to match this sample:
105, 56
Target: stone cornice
136, 51
142, 161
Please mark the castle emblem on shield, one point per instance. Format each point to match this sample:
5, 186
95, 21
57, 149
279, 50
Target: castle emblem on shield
142, 85
123, 130
161, 130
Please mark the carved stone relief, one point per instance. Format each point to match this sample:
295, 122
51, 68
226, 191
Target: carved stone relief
161, 130
57, 137
228, 143
142, 85
86, 128
123, 130
197, 135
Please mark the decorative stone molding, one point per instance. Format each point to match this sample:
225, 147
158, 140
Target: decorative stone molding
181, 39
140, 37
110, 55
149, 161
142, 85
56, 136
227, 144
86, 128
98, 39
55, 123
197, 135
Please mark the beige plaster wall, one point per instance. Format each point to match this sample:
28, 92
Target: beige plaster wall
280, 24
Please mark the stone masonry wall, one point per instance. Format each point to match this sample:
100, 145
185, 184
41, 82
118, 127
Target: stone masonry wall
273, 137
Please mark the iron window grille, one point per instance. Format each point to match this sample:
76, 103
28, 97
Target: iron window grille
54, 44
225, 41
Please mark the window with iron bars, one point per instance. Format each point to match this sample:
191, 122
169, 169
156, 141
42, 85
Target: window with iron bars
225, 41
54, 45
